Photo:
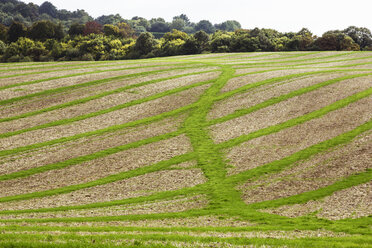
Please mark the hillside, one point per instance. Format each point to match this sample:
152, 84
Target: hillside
215, 150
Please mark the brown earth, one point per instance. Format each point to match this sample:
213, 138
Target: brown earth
288, 109
129, 188
269, 148
98, 168
317, 172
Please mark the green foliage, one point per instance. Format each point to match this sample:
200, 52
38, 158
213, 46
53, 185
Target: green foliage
175, 35
3, 32
43, 30
229, 26
361, 36
76, 29
159, 26
202, 40
145, 44
110, 29
206, 26
2, 47
24, 48
49, 9
221, 41
336, 41
15, 31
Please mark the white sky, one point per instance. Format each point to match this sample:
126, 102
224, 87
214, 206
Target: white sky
283, 15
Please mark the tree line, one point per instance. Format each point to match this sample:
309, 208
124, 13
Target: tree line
112, 37
14, 10
46, 41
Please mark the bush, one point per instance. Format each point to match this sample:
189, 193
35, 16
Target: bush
87, 57
2, 47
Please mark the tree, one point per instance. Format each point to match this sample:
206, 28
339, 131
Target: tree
300, 41
2, 47
160, 27
92, 28
205, 26
145, 43
76, 29
191, 46
15, 31
174, 35
230, 26
48, 8
243, 42
202, 39
110, 29
109, 19
125, 30
336, 41
184, 18
221, 41
3, 32
43, 30
361, 36
178, 24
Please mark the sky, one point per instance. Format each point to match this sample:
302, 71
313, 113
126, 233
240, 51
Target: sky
283, 15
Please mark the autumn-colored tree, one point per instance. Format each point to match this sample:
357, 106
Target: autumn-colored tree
92, 28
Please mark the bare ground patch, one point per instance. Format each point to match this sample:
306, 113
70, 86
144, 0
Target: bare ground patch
128, 188
26, 78
266, 149
202, 221
354, 202
64, 82
88, 145
28, 105
104, 102
335, 63
288, 109
129, 114
319, 171
238, 82
98, 168
265, 92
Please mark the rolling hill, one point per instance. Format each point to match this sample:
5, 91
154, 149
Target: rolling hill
214, 150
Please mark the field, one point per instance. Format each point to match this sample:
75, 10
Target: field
214, 150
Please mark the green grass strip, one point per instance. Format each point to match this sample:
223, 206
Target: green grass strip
208, 157
105, 111
100, 95
144, 240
